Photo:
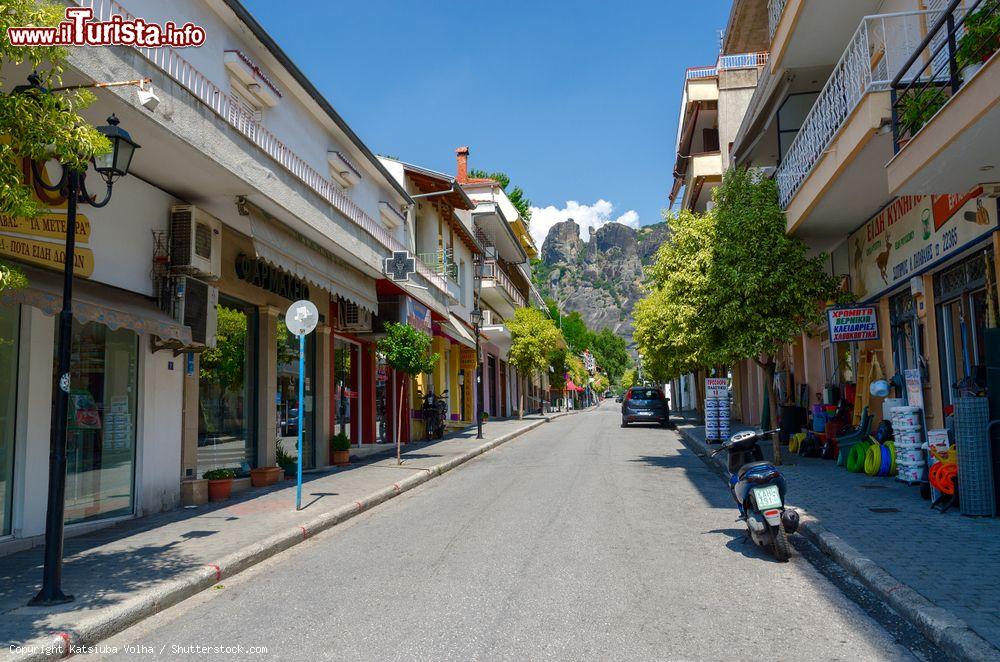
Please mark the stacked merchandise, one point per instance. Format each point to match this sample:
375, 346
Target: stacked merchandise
911, 464
717, 419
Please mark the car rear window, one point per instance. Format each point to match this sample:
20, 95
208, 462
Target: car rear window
645, 394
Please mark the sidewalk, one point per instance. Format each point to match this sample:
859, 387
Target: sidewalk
132, 570
941, 571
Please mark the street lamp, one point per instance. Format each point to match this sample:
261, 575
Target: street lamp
477, 321
111, 166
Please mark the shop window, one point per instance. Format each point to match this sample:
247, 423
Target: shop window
384, 394
100, 440
227, 391
346, 378
287, 394
10, 320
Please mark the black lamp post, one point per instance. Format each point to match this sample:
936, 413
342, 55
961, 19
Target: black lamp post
477, 321
111, 166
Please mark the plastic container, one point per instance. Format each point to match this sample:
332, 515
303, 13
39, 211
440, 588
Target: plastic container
910, 473
906, 418
907, 439
819, 422
909, 456
889, 404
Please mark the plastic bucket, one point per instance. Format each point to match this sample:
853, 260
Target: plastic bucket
909, 456
906, 418
907, 438
911, 473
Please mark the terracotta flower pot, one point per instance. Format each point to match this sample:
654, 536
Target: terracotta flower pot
219, 490
341, 458
265, 476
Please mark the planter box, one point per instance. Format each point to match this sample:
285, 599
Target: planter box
265, 476
341, 458
220, 490
194, 492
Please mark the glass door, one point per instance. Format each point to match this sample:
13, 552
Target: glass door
287, 395
346, 388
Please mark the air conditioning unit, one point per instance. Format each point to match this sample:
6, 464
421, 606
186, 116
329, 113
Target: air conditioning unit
488, 318
195, 304
353, 317
195, 242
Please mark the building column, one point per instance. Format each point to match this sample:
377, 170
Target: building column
455, 395
933, 404
323, 394
189, 424
267, 386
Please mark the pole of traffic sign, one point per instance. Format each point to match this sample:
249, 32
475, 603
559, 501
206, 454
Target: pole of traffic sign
302, 403
301, 318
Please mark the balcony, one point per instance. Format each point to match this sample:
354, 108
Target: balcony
812, 33
442, 265
946, 116
225, 106
833, 172
499, 291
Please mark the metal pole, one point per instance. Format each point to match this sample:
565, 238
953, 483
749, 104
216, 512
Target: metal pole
302, 390
51, 593
479, 387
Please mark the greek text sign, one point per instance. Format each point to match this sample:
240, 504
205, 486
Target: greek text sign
47, 254
716, 387
913, 233
852, 324
46, 225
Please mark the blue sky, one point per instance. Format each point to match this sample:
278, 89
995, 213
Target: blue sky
576, 101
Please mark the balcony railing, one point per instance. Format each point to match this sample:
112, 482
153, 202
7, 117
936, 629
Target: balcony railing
878, 50
775, 8
185, 74
494, 274
955, 47
728, 63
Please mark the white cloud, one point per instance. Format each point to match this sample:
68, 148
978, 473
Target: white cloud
586, 216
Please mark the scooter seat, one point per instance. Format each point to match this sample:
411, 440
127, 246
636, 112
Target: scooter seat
753, 465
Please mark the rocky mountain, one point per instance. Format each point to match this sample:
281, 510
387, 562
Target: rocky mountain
601, 278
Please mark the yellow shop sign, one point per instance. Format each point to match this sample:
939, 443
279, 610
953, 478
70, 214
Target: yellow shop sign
46, 225
46, 254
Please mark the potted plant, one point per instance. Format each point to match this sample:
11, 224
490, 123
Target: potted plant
981, 38
264, 476
340, 446
220, 483
287, 463
917, 108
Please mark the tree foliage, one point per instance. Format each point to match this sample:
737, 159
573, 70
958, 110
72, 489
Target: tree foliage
407, 349
628, 379
37, 125
574, 329
611, 354
225, 363
516, 195
532, 337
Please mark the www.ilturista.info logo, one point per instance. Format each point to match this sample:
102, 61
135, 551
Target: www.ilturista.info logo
79, 29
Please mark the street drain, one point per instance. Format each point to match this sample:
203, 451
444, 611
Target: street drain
884, 510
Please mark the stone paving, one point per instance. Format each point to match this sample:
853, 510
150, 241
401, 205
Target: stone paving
105, 567
952, 560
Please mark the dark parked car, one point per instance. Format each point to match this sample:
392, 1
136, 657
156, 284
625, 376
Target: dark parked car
645, 404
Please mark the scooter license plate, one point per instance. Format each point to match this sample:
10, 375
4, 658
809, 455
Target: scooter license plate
767, 497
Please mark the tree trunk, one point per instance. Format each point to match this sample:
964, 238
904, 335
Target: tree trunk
520, 398
399, 423
772, 404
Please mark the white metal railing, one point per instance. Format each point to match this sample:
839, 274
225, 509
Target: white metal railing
494, 273
728, 63
235, 114
878, 49
775, 8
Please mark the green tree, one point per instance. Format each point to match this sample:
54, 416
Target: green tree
516, 195
408, 351
764, 289
574, 329
628, 379
611, 353
35, 124
532, 337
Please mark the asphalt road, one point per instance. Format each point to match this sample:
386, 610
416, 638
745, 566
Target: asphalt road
577, 541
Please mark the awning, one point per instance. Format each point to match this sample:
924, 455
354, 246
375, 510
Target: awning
295, 255
570, 386
459, 332
94, 302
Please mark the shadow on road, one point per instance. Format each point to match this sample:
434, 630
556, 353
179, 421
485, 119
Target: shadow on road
706, 481
738, 542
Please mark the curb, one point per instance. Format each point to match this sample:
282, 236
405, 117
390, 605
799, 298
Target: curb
114, 619
941, 627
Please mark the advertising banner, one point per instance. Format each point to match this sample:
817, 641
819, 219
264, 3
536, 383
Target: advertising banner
419, 316
912, 234
716, 387
852, 324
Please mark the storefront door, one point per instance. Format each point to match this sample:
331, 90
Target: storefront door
287, 395
384, 406
10, 319
100, 440
907, 332
227, 391
962, 315
491, 384
346, 388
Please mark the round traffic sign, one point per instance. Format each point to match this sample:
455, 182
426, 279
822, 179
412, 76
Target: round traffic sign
302, 317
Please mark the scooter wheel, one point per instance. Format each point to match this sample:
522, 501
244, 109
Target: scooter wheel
780, 544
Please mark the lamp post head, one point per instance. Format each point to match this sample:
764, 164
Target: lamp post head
476, 316
115, 164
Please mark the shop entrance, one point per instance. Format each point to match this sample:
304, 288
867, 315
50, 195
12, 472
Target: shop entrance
491, 383
227, 390
907, 333
346, 388
963, 311
287, 395
384, 402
